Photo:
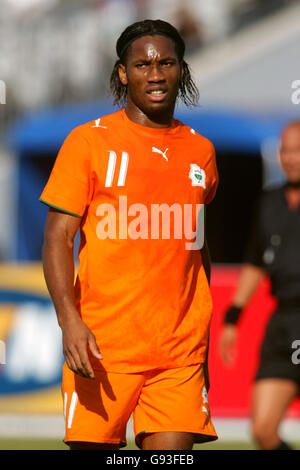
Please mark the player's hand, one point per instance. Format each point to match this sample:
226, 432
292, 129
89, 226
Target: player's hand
228, 344
77, 338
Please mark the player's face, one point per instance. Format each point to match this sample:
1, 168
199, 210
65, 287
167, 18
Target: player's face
152, 74
290, 152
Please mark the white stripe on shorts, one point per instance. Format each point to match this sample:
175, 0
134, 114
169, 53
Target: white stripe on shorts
73, 404
65, 404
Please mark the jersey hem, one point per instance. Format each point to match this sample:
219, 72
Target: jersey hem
142, 369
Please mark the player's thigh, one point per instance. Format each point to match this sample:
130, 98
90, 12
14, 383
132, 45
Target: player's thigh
168, 440
271, 398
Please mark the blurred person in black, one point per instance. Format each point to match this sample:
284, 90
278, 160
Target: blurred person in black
273, 250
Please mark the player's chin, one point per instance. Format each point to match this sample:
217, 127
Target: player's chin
154, 108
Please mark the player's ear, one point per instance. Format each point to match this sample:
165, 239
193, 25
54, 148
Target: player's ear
122, 74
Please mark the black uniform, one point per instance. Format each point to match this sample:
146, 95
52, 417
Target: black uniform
275, 247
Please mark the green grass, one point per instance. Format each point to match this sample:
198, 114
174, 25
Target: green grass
55, 444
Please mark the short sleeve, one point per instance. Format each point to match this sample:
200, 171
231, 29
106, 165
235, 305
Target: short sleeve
69, 184
212, 177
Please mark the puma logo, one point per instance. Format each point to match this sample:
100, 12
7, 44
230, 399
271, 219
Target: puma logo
154, 149
97, 124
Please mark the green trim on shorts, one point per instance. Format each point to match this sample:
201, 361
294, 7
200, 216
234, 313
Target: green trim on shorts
59, 208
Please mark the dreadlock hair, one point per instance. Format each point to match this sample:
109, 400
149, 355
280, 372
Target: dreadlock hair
188, 91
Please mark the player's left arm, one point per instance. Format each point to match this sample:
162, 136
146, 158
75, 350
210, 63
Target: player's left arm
212, 182
207, 267
206, 259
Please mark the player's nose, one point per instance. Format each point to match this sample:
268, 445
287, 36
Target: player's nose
155, 74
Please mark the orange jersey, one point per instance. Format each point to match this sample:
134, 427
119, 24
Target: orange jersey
141, 286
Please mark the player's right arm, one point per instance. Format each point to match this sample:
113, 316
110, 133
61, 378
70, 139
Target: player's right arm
58, 265
249, 279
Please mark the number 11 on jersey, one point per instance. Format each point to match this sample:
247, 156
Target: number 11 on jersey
112, 166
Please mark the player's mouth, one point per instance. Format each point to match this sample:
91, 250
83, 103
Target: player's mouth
157, 95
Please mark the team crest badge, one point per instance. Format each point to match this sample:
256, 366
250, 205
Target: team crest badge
197, 175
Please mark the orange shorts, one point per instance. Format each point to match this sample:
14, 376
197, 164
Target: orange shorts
159, 400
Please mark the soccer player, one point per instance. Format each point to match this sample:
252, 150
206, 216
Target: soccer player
274, 249
136, 324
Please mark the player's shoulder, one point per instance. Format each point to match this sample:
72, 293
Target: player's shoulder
195, 137
100, 124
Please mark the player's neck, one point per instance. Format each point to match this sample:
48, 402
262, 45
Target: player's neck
159, 120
